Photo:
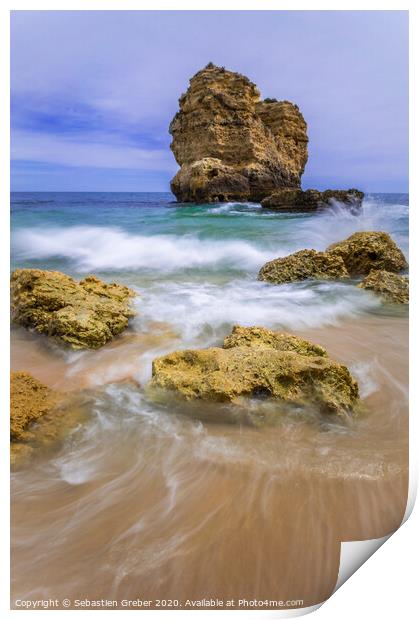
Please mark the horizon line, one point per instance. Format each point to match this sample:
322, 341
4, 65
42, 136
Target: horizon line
100, 191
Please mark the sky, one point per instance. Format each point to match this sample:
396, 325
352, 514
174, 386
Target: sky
93, 92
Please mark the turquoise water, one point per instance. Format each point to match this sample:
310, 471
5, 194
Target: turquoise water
195, 267
144, 490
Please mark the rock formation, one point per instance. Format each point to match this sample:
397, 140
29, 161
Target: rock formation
312, 199
85, 314
355, 256
257, 362
303, 265
390, 286
364, 251
29, 401
230, 144
262, 337
40, 418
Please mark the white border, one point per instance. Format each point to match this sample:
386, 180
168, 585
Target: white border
389, 567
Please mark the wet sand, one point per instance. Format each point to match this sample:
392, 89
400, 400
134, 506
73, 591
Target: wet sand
145, 502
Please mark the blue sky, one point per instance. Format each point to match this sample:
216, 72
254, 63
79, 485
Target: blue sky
93, 92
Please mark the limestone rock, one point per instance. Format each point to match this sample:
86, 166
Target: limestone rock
39, 417
289, 129
262, 337
85, 314
29, 401
230, 144
364, 251
303, 265
357, 255
312, 199
391, 286
255, 362
209, 180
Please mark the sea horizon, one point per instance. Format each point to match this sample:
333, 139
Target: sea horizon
97, 191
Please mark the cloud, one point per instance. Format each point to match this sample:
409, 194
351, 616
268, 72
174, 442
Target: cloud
103, 85
97, 151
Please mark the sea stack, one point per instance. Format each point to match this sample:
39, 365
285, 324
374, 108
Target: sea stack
230, 145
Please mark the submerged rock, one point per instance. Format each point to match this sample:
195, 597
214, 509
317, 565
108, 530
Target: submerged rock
39, 417
85, 314
312, 199
257, 362
230, 144
29, 401
364, 251
391, 286
303, 265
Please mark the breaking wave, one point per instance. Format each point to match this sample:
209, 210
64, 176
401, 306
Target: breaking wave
112, 248
90, 248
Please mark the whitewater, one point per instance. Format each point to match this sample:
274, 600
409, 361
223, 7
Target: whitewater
175, 497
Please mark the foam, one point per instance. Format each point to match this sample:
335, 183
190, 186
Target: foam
205, 312
95, 248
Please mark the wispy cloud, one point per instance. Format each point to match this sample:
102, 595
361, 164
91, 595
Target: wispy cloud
91, 150
99, 88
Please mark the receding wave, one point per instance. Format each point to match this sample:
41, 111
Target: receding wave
205, 312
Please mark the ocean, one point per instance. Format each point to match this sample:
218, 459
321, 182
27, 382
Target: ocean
164, 500
196, 266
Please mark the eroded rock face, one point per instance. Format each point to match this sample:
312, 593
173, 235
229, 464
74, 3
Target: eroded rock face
303, 265
312, 199
29, 401
364, 251
40, 418
230, 144
85, 314
257, 362
262, 337
355, 256
392, 287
